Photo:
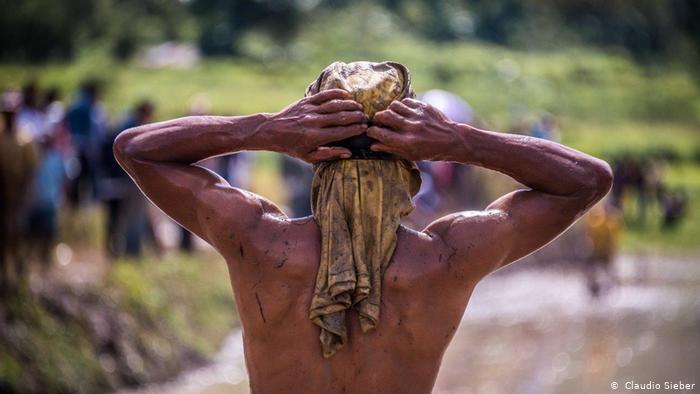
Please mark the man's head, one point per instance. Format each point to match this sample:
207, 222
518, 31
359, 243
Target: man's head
358, 204
90, 89
373, 85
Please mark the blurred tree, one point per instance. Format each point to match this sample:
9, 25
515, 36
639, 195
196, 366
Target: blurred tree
496, 20
129, 24
643, 27
38, 30
437, 24
224, 22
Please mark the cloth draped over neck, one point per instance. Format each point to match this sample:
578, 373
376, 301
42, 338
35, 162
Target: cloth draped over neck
358, 205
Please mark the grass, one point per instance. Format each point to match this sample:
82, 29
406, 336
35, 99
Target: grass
610, 139
190, 295
68, 360
160, 317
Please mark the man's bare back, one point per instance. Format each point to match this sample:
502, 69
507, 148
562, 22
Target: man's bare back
273, 259
274, 288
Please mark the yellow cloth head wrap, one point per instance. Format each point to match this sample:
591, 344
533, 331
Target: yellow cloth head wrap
358, 205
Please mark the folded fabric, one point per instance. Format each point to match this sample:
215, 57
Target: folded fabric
358, 205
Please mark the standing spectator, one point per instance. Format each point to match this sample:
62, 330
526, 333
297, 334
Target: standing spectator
17, 164
112, 190
46, 197
54, 110
603, 225
85, 120
31, 120
127, 222
673, 208
620, 170
545, 128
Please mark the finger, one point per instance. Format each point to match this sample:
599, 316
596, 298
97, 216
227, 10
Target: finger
412, 103
330, 94
326, 153
390, 118
331, 134
338, 106
343, 118
384, 135
402, 109
379, 147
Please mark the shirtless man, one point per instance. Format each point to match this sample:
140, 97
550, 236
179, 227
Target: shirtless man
273, 259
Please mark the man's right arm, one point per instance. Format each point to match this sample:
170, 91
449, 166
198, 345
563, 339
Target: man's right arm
561, 183
161, 158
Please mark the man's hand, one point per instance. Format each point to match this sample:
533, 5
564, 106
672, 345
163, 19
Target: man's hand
302, 128
415, 130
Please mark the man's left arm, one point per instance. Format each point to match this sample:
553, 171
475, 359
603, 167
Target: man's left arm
162, 159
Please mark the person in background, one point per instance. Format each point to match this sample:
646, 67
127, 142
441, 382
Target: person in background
17, 164
85, 120
673, 207
603, 225
31, 120
520, 125
45, 201
127, 222
54, 110
545, 128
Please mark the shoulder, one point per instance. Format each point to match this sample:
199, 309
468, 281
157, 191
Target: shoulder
227, 213
262, 228
278, 248
476, 239
466, 222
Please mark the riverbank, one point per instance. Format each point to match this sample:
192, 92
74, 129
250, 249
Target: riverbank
144, 322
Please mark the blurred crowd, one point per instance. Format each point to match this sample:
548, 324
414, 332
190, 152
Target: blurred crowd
56, 159
643, 179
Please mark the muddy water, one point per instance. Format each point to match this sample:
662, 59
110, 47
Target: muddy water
532, 331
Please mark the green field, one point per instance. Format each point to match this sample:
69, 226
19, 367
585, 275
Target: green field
606, 104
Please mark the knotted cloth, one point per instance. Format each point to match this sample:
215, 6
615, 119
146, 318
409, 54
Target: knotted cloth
358, 205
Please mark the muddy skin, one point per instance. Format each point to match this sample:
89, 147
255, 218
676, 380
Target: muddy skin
426, 287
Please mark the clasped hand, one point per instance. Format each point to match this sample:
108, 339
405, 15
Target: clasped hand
409, 128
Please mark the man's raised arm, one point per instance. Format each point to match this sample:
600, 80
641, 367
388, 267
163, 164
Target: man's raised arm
562, 183
161, 158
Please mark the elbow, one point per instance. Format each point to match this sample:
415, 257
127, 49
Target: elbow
603, 178
123, 147
598, 180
